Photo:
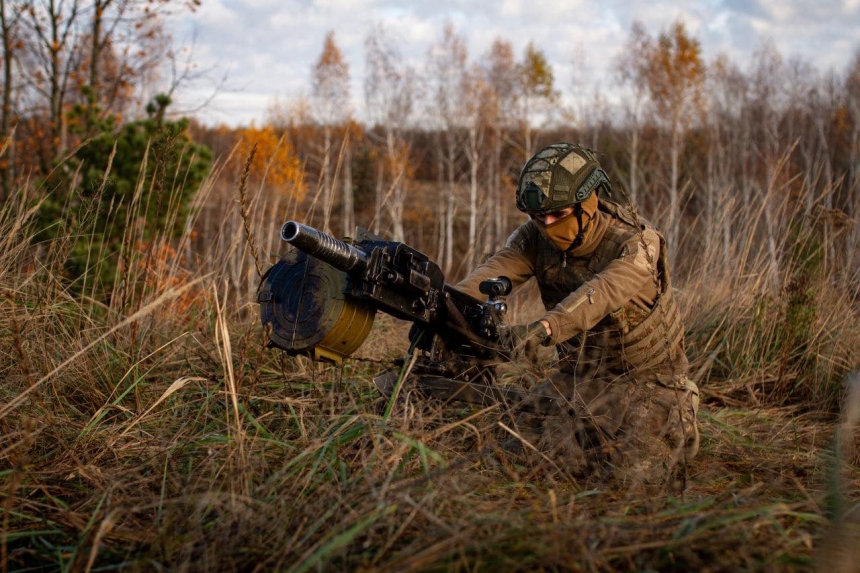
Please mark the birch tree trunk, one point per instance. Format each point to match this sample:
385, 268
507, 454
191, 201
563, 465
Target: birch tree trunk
348, 204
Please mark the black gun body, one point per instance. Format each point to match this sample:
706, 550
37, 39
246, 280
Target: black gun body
321, 299
403, 282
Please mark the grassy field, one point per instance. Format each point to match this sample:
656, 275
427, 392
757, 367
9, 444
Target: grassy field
152, 430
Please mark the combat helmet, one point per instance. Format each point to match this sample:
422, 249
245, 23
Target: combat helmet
558, 176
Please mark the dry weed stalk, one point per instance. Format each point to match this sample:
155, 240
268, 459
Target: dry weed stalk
243, 210
225, 352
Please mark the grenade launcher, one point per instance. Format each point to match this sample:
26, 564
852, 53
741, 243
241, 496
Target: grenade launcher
321, 298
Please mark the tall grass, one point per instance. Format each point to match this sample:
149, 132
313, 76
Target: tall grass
153, 429
771, 303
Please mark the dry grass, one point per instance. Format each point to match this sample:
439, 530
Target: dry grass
160, 433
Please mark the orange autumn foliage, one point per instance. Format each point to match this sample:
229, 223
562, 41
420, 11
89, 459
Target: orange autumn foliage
275, 162
674, 71
162, 268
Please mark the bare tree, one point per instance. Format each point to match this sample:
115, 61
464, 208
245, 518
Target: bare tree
537, 85
101, 33
389, 95
630, 70
480, 106
502, 79
800, 121
53, 24
126, 41
591, 109
348, 219
447, 77
728, 143
767, 98
80, 62
9, 19
331, 107
673, 72
852, 103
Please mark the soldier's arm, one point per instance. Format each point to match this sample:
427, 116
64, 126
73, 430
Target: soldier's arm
512, 261
630, 277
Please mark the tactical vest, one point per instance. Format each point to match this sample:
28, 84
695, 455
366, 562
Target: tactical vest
631, 339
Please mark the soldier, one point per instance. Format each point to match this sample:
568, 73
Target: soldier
610, 312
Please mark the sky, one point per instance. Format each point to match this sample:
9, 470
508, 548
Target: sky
251, 54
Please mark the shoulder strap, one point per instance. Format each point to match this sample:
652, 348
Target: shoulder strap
619, 212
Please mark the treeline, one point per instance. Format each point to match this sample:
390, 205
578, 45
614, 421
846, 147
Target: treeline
725, 158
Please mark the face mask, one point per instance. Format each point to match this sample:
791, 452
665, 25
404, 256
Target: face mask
563, 233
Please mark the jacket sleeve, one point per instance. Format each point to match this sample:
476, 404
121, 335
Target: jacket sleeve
512, 261
632, 277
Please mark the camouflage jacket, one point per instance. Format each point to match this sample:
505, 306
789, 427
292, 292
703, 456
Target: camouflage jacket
608, 302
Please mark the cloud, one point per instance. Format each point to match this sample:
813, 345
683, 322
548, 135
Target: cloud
269, 46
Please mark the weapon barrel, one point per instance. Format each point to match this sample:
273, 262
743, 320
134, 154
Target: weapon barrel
323, 246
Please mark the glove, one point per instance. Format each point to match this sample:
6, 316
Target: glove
523, 340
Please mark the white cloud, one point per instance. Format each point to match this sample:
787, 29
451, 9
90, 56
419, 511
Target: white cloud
511, 8
269, 46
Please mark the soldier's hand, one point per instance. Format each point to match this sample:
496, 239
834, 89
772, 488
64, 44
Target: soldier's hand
523, 340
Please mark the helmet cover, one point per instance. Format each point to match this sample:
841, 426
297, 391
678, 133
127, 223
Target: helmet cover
558, 176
